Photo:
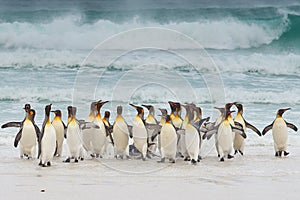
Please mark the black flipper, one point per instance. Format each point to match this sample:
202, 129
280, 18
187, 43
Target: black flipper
238, 125
17, 138
130, 131
239, 131
37, 132
55, 149
267, 128
109, 130
12, 124
292, 126
253, 128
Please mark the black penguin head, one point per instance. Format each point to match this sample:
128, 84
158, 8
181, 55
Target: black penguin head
107, 114
281, 111
69, 109
140, 111
239, 107
228, 113
57, 113
229, 105
27, 106
168, 118
48, 109
119, 110
164, 112
150, 108
173, 105
99, 104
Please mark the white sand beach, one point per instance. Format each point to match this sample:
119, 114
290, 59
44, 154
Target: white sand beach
258, 174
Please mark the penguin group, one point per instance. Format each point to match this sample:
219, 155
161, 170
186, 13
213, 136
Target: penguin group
169, 138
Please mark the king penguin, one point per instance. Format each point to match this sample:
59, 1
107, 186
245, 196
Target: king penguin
17, 124
28, 135
168, 140
47, 142
225, 137
239, 143
99, 136
192, 138
139, 132
73, 136
280, 132
60, 128
120, 135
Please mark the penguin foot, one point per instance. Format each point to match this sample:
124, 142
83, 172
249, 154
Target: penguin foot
235, 152
148, 156
162, 160
49, 163
172, 160
285, 153
76, 160
199, 158
194, 162
276, 154
218, 155
67, 160
128, 157
40, 163
44, 165
143, 158
82, 159
92, 155
241, 152
187, 158
230, 156
222, 159
280, 153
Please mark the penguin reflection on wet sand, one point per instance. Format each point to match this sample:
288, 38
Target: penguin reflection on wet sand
280, 133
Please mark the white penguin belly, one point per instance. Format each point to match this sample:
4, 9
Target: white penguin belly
74, 140
192, 141
140, 136
48, 144
59, 130
168, 141
225, 140
121, 136
99, 138
280, 134
28, 140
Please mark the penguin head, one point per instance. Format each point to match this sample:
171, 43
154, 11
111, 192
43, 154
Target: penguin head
222, 110
119, 110
228, 113
239, 107
30, 114
140, 111
175, 106
57, 113
281, 111
48, 109
163, 111
99, 104
168, 118
229, 105
150, 108
93, 106
27, 106
69, 108
107, 115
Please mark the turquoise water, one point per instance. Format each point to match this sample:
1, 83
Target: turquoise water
255, 49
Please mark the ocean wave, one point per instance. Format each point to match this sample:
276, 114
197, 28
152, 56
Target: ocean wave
67, 32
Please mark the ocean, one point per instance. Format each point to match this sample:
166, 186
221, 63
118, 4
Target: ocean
150, 52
